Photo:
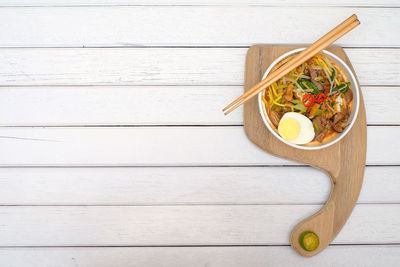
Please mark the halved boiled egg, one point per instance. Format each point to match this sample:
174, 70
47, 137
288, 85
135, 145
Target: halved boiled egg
296, 128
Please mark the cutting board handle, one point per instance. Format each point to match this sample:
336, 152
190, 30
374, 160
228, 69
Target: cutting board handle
328, 221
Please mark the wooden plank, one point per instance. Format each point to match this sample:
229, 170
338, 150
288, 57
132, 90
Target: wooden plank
184, 225
158, 25
156, 146
185, 186
199, 256
162, 66
150, 105
340, 3
134, 66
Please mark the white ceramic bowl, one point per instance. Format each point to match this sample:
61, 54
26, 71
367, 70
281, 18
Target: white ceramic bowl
355, 105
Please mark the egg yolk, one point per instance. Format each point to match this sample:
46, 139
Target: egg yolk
289, 129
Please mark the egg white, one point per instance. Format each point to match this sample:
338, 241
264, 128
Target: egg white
306, 133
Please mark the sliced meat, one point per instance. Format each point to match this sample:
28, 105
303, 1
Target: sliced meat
275, 118
289, 92
338, 127
348, 96
322, 128
317, 124
346, 111
338, 118
339, 122
313, 75
321, 136
325, 123
321, 121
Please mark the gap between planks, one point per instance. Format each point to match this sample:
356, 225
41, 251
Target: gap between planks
261, 3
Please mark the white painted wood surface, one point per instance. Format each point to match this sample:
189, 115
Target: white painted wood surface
259, 256
158, 146
184, 225
150, 105
340, 3
185, 186
163, 175
161, 66
188, 25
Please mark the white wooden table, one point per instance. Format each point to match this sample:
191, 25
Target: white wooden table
115, 152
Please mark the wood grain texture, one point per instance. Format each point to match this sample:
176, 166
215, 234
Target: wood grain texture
184, 225
343, 161
260, 256
161, 66
158, 146
137, 26
149, 105
185, 186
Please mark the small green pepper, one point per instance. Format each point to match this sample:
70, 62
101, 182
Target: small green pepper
333, 74
299, 105
306, 84
316, 127
344, 87
317, 112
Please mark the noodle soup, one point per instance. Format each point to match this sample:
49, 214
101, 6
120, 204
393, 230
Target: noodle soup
312, 104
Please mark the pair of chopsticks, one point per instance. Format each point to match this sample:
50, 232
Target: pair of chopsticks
300, 58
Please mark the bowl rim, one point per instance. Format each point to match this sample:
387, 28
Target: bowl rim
355, 109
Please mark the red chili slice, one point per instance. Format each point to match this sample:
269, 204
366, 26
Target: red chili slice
308, 100
321, 97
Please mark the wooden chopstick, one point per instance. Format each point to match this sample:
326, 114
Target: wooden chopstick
300, 58
286, 69
303, 56
303, 53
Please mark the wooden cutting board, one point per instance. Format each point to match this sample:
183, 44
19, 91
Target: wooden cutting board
344, 161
